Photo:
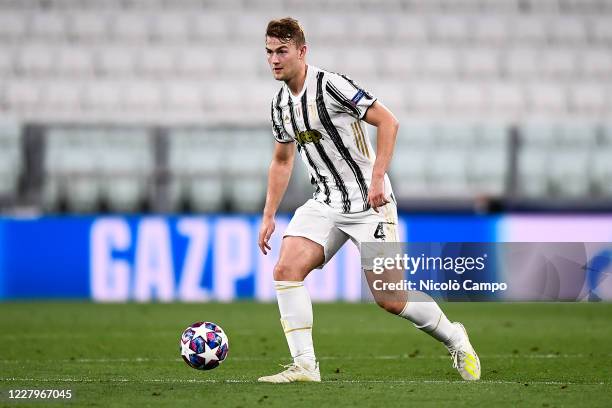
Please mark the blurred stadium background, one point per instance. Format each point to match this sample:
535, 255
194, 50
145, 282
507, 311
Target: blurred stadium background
160, 106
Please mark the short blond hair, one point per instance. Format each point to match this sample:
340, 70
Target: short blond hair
286, 29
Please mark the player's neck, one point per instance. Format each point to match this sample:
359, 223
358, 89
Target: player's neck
296, 84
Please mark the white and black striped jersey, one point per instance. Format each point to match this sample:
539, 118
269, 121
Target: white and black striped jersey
325, 122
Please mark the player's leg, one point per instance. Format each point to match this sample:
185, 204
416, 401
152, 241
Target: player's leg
309, 242
298, 256
415, 306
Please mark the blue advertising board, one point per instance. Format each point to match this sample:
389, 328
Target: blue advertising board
192, 258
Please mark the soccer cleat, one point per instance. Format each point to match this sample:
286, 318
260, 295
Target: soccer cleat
465, 359
293, 373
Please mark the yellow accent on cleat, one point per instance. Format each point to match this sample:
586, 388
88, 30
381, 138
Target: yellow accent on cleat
465, 359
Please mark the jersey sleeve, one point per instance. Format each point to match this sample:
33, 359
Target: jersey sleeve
348, 97
280, 134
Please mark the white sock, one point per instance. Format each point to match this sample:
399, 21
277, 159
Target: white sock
426, 315
296, 318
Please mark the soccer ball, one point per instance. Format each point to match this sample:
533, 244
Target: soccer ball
204, 345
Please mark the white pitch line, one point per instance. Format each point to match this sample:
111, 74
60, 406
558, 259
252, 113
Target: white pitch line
348, 358
237, 381
85, 335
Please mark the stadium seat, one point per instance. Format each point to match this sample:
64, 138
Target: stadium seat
480, 63
206, 194
13, 26
567, 31
75, 62
187, 147
568, 172
548, 97
325, 58
36, 60
561, 64
409, 29
454, 134
487, 170
248, 196
329, 28
223, 96
590, 98
116, 62
595, 63
528, 30
542, 6
156, 62
601, 30
578, 135
507, 98
82, 194
409, 173
491, 135
489, 29
377, 24
415, 134
193, 178
196, 62
439, 63
231, 64
467, 98
601, 172
390, 95
208, 28
427, 97
248, 28
88, 27
451, 29
171, 28
62, 97
532, 173
359, 63
103, 97
400, 63
447, 174
11, 163
48, 26
522, 63
7, 62
183, 98
130, 28
22, 95
124, 194
539, 134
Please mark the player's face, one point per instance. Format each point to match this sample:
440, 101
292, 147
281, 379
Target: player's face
285, 59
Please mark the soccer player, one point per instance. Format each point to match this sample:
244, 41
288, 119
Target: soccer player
321, 114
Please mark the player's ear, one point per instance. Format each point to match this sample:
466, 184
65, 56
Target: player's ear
302, 51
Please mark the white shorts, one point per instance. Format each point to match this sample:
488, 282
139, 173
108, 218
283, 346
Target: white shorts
320, 223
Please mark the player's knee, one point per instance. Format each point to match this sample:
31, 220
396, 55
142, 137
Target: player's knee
285, 272
391, 306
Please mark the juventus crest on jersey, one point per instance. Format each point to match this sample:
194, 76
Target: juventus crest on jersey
325, 122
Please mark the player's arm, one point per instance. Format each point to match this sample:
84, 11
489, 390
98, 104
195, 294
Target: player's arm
278, 179
387, 125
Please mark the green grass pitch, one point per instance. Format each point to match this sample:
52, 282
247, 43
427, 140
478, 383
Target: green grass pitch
542, 355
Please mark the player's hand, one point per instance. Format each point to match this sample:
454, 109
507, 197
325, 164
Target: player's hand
376, 193
265, 232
